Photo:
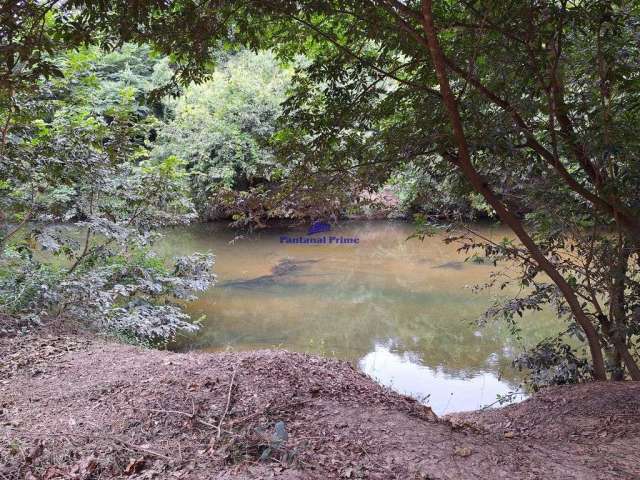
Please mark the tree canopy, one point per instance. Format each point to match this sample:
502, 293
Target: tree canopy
530, 108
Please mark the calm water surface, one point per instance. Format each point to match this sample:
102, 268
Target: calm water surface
400, 309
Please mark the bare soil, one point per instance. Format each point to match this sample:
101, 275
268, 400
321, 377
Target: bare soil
77, 407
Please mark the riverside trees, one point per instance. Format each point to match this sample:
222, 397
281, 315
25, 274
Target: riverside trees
534, 105
531, 105
80, 201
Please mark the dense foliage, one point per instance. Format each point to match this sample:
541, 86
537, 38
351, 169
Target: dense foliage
221, 129
82, 202
524, 110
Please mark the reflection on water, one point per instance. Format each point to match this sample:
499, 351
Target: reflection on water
398, 308
442, 391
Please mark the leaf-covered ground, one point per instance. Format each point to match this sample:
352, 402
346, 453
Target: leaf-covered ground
74, 407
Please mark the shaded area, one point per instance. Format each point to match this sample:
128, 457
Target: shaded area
280, 274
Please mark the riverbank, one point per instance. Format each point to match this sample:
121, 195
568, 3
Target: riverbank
77, 407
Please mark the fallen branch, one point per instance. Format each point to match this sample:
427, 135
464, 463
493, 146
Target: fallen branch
136, 448
239, 421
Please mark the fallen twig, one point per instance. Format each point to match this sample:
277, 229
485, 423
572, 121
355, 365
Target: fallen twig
136, 448
226, 409
119, 441
253, 415
191, 416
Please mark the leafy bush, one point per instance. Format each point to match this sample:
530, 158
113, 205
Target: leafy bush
25, 284
84, 205
136, 295
553, 362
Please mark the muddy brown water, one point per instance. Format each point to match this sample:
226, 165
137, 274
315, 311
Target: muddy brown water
400, 309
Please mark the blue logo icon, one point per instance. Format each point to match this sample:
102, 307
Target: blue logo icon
319, 227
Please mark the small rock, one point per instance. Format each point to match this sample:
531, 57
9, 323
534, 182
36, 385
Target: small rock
463, 451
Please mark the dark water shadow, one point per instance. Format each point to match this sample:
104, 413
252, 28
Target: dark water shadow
280, 275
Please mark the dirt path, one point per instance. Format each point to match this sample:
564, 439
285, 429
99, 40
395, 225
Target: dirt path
78, 408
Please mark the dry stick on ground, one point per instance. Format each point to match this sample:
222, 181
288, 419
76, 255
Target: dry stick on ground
250, 416
226, 408
116, 440
191, 416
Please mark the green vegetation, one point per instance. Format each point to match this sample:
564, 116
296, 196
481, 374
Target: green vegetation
221, 129
83, 201
525, 112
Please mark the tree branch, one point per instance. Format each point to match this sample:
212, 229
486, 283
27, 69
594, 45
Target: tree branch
357, 57
481, 186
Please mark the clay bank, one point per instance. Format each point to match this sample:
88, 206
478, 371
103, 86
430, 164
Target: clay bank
76, 407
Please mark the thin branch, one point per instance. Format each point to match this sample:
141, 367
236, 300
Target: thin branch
24, 221
514, 250
191, 416
226, 408
357, 57
119, 441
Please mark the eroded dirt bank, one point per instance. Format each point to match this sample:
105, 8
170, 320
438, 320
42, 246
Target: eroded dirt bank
74, 407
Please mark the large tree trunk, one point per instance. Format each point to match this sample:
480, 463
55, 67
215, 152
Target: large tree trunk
481, 186
617, 325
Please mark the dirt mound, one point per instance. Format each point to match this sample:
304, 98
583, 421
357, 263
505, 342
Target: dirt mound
593, 412
77, 408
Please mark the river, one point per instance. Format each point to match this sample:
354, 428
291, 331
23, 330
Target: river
400, 309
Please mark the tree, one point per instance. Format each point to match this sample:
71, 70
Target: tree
82, 203
596, 173
533, 104
399, 41
221, 129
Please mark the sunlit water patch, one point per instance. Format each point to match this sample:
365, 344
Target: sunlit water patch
399, 309
442, 391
